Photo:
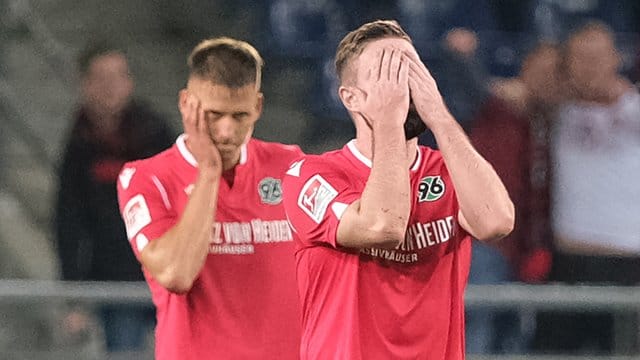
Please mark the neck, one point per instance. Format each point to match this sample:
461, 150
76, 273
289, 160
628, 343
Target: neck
228, 165
230, 160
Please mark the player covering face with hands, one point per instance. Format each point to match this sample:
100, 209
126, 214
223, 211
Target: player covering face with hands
383, 226
205, 219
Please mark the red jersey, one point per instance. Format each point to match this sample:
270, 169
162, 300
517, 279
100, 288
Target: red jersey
244, 304
405, 303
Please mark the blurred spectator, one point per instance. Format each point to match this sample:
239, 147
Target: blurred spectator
461, 78
429, 20
109, 129
307, 28
551, 19
596, 148
512, 131
359, 11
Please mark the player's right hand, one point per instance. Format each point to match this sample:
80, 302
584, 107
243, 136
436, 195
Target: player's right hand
198, 136
386, 87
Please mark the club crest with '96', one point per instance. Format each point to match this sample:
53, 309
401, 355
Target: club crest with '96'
270, 191
431, 188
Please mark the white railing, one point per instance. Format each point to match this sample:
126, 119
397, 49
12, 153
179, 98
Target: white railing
554, 297
547, 297
531, 297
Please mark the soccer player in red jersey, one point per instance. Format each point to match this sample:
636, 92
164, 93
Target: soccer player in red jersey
382, 227
205, 219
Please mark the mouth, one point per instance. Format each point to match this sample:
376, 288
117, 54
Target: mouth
226, 148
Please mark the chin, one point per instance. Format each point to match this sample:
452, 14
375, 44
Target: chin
227, 148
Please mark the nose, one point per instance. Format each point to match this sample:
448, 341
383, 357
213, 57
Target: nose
224, 128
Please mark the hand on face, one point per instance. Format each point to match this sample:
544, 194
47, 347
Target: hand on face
199, 137
386, 87
424, 91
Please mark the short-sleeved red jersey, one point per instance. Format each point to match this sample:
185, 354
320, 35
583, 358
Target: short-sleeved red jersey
405, 303
244, 304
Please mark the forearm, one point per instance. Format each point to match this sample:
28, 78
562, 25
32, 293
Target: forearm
176, 258
484, 201
385, 201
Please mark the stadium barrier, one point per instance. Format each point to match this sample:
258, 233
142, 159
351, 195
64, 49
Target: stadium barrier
622, 301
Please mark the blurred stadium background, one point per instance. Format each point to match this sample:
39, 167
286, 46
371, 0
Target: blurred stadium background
39, 40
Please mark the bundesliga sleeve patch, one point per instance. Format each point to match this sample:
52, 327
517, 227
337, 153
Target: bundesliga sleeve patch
136, 215
315, 197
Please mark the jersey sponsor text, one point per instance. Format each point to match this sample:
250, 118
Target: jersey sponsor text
419, 236
239, 238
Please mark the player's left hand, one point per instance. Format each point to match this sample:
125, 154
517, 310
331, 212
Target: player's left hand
424, 92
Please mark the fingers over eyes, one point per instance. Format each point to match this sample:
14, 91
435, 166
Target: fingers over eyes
384, 64
403, 71
395, 65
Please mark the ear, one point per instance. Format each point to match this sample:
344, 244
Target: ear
351, 97
183, 95
259, 104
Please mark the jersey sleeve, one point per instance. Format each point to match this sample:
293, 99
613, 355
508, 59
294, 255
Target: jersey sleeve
291, 153
315, 197
296, 151
144, 206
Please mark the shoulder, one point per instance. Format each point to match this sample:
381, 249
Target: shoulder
317, 171
320, 163
276, 149
272, 155
140, 172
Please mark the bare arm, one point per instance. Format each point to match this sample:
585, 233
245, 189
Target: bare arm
176, 258
379, 218
486, 211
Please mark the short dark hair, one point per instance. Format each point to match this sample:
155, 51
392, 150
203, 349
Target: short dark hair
95, 49
226, 61
354, 42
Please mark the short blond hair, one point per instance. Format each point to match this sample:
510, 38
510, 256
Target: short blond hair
354, 42
226, 61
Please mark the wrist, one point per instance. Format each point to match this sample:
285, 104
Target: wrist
209, 173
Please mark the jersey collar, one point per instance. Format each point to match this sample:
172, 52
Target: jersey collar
351, 145
188, 156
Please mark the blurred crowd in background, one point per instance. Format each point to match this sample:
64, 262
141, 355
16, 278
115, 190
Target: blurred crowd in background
544, 88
